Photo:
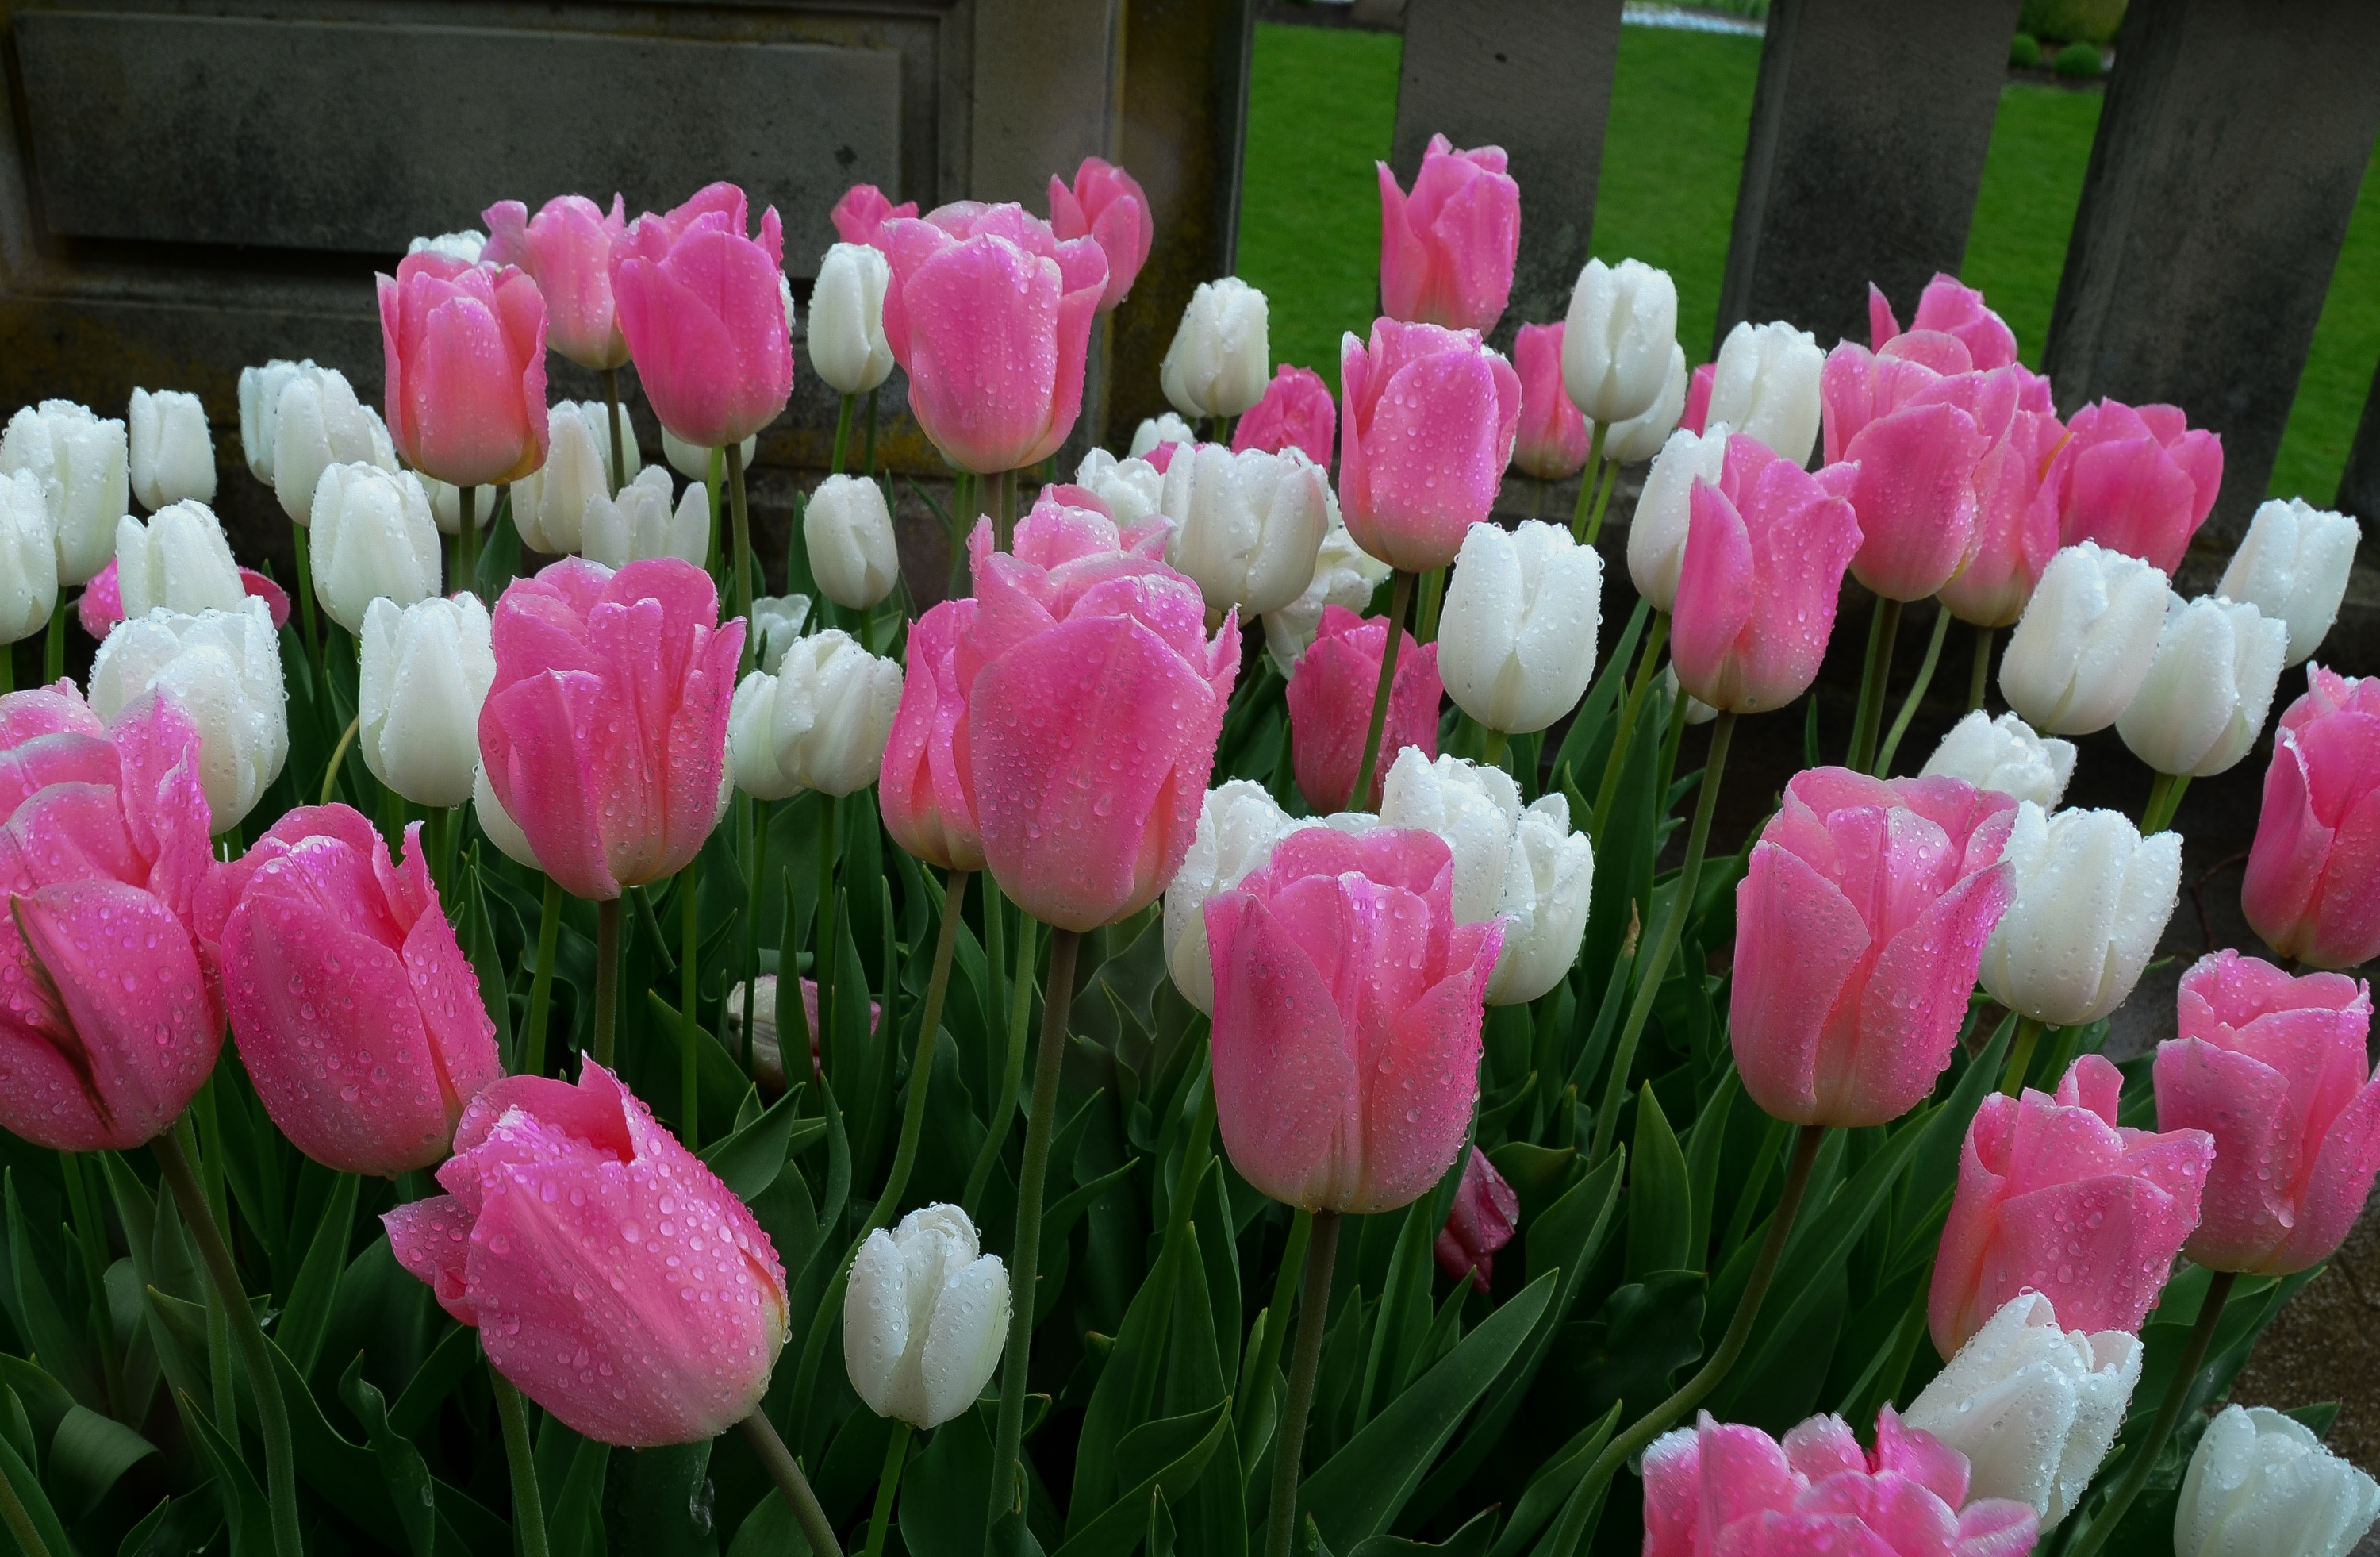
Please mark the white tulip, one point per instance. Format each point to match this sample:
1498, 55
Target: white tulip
2004, 754
1656, 532
2210, 685
847, 531
178, 561
2092, 900
820, 723
1618, 339
1697, 711
550, 502
776, 623
1246, 526
29, 557
1132, 489
1163, 428
2033, 1407
173, 455
80, 460
2261, 1485
924, 1317
466, 246
847, 344
260, 407
1239, 823
498, 824
1221, 355
639, 523
446, 505
426, 669
1766, 385
2293, 565
373, 538
223, 669
1516, 639
318, 423
693, 462
1641, 436
1344, 575
2083, 645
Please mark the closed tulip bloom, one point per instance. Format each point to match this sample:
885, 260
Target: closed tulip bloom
1641, 437
2313, 884
1619, 337
466, 350
1657, 531
2054, 1197
2261, 1484
1347, 1018
1330, 696
1107, 206
703, 308
80, 460
1296, 412
1427, 427
1246, 526
178, 561
2092, 900
1766, 386
2209, 686
114, 1024
550, 502
2016, 534
2004, 755
2272, 1068
609, 1273
1239, 821
1221, 350
924, 802
1551, 443
426, 669
820, 722
2136, 479
373, 538
2086, 641
222, 668
2294, 566
768, 1054
924, 1318
259, 409
1483, 1218
318, 422
1164, 428
639, 523
1915, 495
848, 532
100, 604
847, 334
1132, 489
566, 249
1764, 559
1447, 250
1516, 643
860, 216
1344, 576
1952, 309
172, 456
604, 734
1858, 386
776, 623
29, 557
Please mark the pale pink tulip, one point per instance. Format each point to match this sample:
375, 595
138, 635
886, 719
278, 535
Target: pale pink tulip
566, 249
1916, 498
925, 805
1426, 424
2015, 536
101, 605
2313, 884
2136, 479
703, 309
1447, 250
1857, 386
1953, 308
861, 213
1483, 1218
1331, 698
1295, 413
1551, 440
465, 350
1107, 205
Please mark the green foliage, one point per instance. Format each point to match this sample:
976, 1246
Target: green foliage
2025, 51
2069, 21
2079, 62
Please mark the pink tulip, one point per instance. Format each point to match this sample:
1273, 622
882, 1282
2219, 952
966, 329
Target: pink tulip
1766, 551
1447, 250
1697, 415
1094, 700
925, 804
605, 731
2313, 884
1953, 308
1857, 386
609, 1273
990, 313
2272, 1068
1331, 698
1914, 495
1859, 927
2136, 479
101, 605
111, 1022
465, 350
1719, 1490
1483, 1218
566, 249
1347, 1018
861, 213
2015, 535
1106, 205
703, 308
1295, 413
1426, 424
1551, 440
2054, 1196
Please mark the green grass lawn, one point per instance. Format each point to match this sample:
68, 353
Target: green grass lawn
1322, 107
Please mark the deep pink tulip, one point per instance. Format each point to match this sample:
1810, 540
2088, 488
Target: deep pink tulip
1483, 1218
605, 731
1295, 413
1766, 551
1859, 927
703, 309
2054, 1197
1697, 415
862, 211
2313, 884
2136, 479
1426, 424
566, 249
2015, 535
1106, 205
101, 605
1721, 1489
609, 1273
2272, 1068
991, 313
1953, 308
925, 805
1447, 248
1094, 700
1331, 707
1347, 1018
1551, 443
110, 1020
465, 350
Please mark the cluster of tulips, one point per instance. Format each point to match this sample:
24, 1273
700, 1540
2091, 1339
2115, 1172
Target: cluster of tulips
1374, 955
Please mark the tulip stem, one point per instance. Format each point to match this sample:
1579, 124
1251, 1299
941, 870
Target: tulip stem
2177, 1395
8, 679
54, 643
1980, 677
2165, 798
528, 1504
1433, 589
888, 1482
338, 755
1359, 799
607, 979
619, 444
1590, 475
921, 1065
780, 1464
541, 988
1025, 1253
1607, 793
2028, 1037
742, 553
867, 448
1003, 511
1665, 946
1610, 479
752, 931
271, 1412
1916, 693
466, 537
1305, 1362
1020, 1011
1883, 626
842, 434
690, 917
1491, 750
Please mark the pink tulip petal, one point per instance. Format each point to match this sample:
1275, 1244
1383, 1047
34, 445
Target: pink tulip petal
1996, 1528
1296, 1119
430, 1240
1920, 1456
1797, 939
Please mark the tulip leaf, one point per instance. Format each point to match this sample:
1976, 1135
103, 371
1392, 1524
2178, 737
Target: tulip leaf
1109, 1417
488, 963
57, 1345
407, 1475
1469, 1541
1177, 1448
344, 1474
1934, 1168
574, 1526
179, 1525
1588, 739
771, 1529
945, 1491
1553, 1482
661, 1503
1625, 1356
432, 1382
28, 1487
1660, 1195
243, 1500
87, 1455
749, 1161
308, 1316
1704, 1145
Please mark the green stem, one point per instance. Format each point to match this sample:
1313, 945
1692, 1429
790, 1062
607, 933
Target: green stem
1003, 511
619, 442
1979, 677
1284, 1286
888, 1482
921, 1065
305, 608
752, 929
1433, 591
742, 553
713, 480
1020, 1013
1491, 750
1289, 1442
868, 450
689, 916
779, 1462
338, 755
1916, 693
541, 988
528, 1504
2165, 798
2028, 1037
54, 642
1590, 478
8, 668
466, 537
1883, 626
1610, 475
1359, 799
2177, 1395
1607, 793
842, 434
607, 979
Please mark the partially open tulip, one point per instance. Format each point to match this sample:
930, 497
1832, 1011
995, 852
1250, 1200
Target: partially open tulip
1296, 412
604, 734
703, 308
1132, 489
1447, 250
639, 523
1427, 428
860, 216
1516, 641
426, 669
1766, 386
2085, 642
1164, 428
113, 1024
1107, 206
1955, 309
847, 531
172, 454
1618, 338
1347, 1018
2136, 479
820, 723
1483, 1218
2293, 565
80, 459
924, 801
466, 352
178, 561
373, 538
2092, 900
550, 502
1331, 696
2004, 754
2210, 685
1246, 526
847, 334
2261, 1484
1641, 437
1550, 442
1239, 821
1858, 386
924, 1318
222, 668
1658, 530
609, 1273
2272, 1068
2312, 886
29, 557
1344, 576
1216, 363
2054, 1197
566, 249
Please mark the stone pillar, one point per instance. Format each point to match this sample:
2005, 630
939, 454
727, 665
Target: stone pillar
1049, 85
1869, 128
2359, 484
2228, 157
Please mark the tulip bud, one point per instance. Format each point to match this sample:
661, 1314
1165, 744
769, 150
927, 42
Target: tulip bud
848, 533
373, 538
80, 461
1246, 526
1766, 386
178, 561
768, 1052
173, 456
1656, 533
820, 722
1551, 440
1132, 489
426, 669
1163, 428
1516, 641
1239, 821
318, 422
222, 668
1221, 354
1344, 576
1483, 1218
550, 502
1447, 250
692, 460
1330, 701
2309, 889
2261, 1484
1296, 412
2293, 565
466, 246
2209, 686
2092, 900
2005, 756
639, 523
2084, 644
847, 346
29, 557
924, 1318
1618, 339
260, 407
776, 623
1640, 437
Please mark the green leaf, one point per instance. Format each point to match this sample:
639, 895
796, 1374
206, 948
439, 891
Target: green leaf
1555, 1479
28, 1487
57, 1345
771, 1529
1469, 1541
176, 1527
946, 1491
448, 1361
87, 1455
1109, 1417
749, 1161
316, 1292
656, 1500
1626, 1354
574, 1524
45, 1401
243, 1500
1177, 1450
487, 961
1660, 1196
409, 1487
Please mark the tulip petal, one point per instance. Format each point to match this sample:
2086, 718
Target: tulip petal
1288, 1107
431, 1239
1798, 940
